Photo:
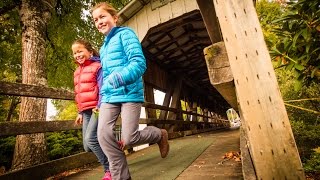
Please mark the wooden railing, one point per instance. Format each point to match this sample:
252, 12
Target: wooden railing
50, 168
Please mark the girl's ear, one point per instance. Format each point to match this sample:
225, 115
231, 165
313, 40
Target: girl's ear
115, 17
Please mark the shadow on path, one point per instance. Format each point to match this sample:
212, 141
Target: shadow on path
191, 157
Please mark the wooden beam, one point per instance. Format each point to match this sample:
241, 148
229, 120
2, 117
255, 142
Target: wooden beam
149, 94
192, 132
167, 98
175, 101
172, 122
175, 39
272, 145
17, 128
28, 90
190, 54
45, 170
208, 14
170, 25
185, 66
187, 44
220, 72
155, 106
247, 165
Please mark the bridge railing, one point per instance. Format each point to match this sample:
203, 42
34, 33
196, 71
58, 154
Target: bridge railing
60, 165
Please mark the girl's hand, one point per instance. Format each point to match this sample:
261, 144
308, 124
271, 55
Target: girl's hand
79, 119
95, 110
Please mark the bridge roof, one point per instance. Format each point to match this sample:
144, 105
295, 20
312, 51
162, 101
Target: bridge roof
175, 42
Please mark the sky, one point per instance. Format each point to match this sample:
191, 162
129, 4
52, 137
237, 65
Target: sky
51, 110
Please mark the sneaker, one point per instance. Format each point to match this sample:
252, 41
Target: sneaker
107, 176
163, 143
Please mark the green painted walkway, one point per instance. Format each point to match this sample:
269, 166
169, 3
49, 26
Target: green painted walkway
191, 157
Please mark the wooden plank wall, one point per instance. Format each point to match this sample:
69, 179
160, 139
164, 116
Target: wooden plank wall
155, 76
272, 145
147, 18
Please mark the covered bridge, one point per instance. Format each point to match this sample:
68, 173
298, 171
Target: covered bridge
211, 55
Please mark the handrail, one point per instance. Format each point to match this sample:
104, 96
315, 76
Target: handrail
28, 90
18, 128
19, 89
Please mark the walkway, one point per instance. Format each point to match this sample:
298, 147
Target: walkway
192, 157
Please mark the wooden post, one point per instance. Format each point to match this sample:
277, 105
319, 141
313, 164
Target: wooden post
176, 103
194, 110
150, 113
210, 20
272, 145
205, 112
166, 101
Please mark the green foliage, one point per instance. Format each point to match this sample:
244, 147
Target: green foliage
297, 47
6, 151
313, 164
184, 108
59, 144
268, 12
4, 106
10, 55
117, 4
307, 138
10, 46
62, 144
67, 110
69, 22
280, 34
305, 125
5, 103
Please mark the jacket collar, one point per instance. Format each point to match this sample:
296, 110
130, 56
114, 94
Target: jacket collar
111, 33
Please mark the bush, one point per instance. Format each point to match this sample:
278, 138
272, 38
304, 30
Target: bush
62, 144
6, 151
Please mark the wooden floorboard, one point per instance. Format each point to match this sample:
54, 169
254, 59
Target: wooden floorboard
205, 164
210, 164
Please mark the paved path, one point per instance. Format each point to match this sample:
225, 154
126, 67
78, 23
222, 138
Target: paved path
191, 157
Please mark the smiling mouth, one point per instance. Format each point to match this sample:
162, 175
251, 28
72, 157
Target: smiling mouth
80, 57
103, 27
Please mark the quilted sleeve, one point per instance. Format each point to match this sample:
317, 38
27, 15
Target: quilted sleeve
136, 65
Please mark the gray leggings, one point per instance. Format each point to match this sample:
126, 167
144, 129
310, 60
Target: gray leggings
130, 114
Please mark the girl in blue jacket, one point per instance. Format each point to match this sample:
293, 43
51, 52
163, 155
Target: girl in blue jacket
123, 65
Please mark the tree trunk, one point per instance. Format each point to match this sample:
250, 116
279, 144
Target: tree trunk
34, 15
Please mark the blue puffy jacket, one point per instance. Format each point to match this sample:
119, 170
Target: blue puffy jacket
123, 65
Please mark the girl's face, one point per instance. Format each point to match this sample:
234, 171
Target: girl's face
103, 20
80, 53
